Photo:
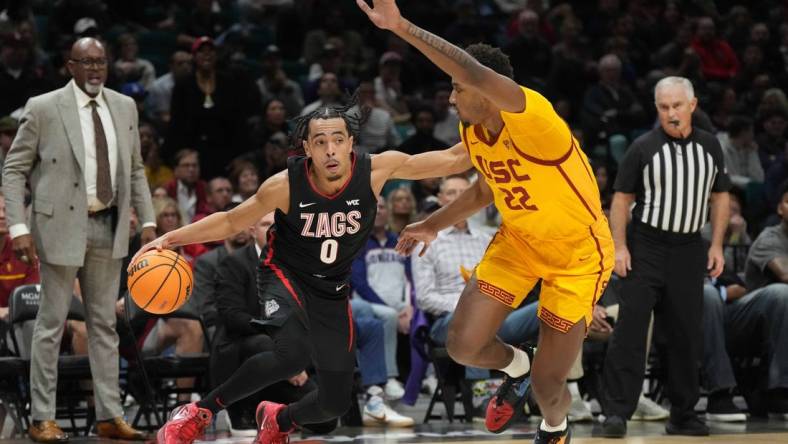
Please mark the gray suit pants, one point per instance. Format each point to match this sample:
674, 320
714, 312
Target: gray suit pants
99, 278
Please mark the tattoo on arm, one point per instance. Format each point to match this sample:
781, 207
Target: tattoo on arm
454, 53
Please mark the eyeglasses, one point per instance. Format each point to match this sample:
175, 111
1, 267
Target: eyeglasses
87, 63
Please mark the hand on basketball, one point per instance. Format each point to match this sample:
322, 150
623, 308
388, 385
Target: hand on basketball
716, 261
623, 261
159, 244
412, 235
384, 13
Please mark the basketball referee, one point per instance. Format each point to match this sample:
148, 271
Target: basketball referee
672, 174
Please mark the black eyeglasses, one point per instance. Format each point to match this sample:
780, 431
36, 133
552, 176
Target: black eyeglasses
87, 63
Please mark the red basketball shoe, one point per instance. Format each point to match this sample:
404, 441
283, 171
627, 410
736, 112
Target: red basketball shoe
186, 424
267, 428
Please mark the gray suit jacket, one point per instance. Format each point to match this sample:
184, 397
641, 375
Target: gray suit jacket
48, 149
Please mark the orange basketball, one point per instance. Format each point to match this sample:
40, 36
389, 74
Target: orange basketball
160, 282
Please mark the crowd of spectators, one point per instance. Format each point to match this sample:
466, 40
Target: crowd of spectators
216, 82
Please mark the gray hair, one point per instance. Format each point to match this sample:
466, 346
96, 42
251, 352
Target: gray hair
675, 81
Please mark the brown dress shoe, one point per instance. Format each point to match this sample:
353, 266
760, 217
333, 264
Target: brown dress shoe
117, 428
47, 432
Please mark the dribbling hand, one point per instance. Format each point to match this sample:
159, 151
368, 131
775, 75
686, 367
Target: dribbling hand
159, 244
384, 13
412, 235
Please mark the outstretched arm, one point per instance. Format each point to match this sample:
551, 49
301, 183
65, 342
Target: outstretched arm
440, 163
461, 66
273, 193
476, 197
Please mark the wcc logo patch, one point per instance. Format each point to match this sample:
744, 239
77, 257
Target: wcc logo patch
271, 307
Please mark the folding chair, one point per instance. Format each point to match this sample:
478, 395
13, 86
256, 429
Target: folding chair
160, 370
72, 369
452, 386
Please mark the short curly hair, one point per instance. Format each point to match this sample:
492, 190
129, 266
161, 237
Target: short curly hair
492, 58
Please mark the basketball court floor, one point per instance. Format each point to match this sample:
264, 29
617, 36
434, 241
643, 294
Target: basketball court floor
753, 431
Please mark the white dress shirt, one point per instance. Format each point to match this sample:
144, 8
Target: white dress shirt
89, 142
187, 201
436, 275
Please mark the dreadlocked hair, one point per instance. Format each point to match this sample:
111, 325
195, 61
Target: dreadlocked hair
353, 113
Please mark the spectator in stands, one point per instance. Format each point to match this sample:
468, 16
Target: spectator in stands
741, 153
609, 108
388, 86
401, 207
529, 53
334, 28
272, 158
273, 120
18, 78
160, 91
723, 106
131, 68
423, 140
8, 127
74, 230
274, 83
219, 194
205, 269
13, 272
749, 319
717, 59
138, 93
209, 111
169, 218
772, 140
571, 62
156, 171
243, 177
186, 187
202, 20
425, 191
381, 282
379, 132
676, 56
446, 119
328, 93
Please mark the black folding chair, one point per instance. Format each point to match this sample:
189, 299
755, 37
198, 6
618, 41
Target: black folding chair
73, 370
159, 371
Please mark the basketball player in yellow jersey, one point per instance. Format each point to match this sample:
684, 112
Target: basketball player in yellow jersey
553, 227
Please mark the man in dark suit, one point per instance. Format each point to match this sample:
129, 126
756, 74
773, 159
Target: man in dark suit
79, 148
206, 279
237, 339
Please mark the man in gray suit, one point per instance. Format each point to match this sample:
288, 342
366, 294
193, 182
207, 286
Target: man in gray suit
79, 148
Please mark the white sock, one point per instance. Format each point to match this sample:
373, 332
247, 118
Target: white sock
520, 364
559, 428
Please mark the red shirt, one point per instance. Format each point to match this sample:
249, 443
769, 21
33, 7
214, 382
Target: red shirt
13, 272
717, 59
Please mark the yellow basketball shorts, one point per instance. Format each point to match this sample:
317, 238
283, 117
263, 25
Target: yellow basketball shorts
574, 273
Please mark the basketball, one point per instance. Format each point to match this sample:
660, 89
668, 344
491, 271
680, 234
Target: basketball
160, 282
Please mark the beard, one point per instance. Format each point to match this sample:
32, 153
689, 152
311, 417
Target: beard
93, 89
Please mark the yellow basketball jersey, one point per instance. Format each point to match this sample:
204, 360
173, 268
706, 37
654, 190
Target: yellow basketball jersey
543, 184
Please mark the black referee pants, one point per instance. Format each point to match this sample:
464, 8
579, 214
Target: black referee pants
667, 277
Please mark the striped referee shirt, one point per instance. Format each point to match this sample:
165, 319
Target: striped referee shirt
672, 179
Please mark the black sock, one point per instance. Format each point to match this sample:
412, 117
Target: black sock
214, 404
284, 421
